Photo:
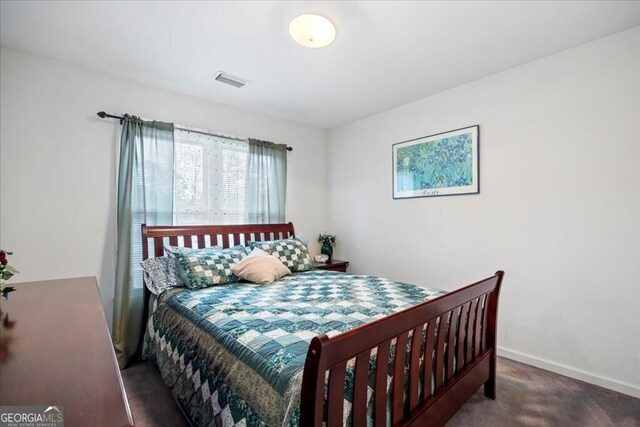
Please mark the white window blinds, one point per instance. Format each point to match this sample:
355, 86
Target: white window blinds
209, 179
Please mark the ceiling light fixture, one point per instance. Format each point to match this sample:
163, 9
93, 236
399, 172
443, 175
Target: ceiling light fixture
312, 30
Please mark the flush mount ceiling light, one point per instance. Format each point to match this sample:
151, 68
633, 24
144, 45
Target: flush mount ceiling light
312, 30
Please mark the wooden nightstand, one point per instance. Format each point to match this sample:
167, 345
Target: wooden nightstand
333, 265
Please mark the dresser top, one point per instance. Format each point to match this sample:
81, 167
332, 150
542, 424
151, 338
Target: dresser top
56, 350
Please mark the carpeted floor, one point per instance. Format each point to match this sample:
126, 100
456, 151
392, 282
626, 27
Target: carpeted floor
527, 396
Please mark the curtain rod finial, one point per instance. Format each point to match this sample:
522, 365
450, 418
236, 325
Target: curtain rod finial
101, 114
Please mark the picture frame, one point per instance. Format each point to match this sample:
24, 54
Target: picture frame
442, 164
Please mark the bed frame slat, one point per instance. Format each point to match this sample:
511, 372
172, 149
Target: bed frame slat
313, 379
462, 334
476, 344
485, 324
451, 351
398, 378
158, 247
336, 395
380, 387
361, 376
414, 367
470, 329
442, 332
428, 359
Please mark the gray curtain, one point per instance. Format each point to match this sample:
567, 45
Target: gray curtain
145, 195
266, 184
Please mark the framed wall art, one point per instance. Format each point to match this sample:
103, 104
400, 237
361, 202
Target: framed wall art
437, 165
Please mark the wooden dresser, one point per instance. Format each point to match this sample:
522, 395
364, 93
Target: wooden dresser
56, 350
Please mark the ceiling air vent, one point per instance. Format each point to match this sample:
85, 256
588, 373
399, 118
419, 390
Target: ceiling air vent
227, 78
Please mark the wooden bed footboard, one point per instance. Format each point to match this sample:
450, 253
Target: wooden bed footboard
453, 336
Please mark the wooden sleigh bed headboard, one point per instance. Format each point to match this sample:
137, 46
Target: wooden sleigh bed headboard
460, 327
201, 236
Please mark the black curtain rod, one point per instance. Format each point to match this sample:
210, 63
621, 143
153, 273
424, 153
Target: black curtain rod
104, 115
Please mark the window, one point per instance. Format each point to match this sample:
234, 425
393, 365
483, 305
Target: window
209, 179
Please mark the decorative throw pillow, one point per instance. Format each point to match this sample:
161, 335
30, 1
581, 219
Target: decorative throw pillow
173, 250
204, 268
291, 252
260, 267
160, 274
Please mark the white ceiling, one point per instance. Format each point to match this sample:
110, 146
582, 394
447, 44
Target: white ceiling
386, 53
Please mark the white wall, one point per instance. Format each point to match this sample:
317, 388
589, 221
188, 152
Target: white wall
58, 168
558, 207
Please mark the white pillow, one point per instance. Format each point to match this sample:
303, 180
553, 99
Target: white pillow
260, 267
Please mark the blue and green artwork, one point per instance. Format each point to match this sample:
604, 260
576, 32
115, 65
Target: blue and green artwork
443, 164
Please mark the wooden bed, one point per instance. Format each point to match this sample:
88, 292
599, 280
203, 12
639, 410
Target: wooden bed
460, 326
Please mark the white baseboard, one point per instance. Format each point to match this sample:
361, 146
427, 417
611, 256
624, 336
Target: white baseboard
569, 371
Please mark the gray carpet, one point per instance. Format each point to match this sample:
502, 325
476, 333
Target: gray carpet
527, 396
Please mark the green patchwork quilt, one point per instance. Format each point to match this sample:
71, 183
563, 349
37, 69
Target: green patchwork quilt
234, 354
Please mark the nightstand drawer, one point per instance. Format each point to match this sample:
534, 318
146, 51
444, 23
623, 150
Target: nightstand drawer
333, 265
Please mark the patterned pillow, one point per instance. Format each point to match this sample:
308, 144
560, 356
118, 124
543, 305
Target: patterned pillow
206, 267
173, 250
160, 274
291, 252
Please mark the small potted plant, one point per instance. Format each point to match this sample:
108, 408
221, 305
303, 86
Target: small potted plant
327, 240
6, 272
